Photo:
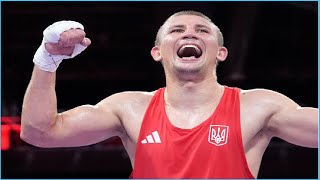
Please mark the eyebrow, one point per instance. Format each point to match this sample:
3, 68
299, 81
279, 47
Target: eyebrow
177, 26
182, 26
202, 26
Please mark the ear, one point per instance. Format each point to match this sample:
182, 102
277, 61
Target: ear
222, 54
155, 53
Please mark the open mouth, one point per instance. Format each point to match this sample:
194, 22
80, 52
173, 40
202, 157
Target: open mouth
189, 50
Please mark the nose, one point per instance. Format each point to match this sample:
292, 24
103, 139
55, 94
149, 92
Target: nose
189, 34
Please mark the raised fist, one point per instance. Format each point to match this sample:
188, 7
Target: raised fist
61, 40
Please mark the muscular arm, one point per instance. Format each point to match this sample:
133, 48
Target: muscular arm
43, 126
292, 123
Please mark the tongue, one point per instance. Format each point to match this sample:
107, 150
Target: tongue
189, 52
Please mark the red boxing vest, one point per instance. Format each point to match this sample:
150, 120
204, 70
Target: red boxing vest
213, 149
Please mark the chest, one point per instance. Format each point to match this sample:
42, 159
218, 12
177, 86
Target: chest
214, 141
190, 118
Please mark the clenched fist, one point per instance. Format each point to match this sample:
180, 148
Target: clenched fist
68, 40
61, 40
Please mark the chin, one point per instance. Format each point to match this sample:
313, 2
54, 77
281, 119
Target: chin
188, 71
189, 67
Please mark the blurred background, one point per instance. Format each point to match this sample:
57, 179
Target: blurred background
271, 45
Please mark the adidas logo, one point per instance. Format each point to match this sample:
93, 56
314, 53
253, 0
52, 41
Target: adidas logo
152, 138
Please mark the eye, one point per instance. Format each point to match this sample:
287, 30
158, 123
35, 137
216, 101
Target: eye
202, 31
176, 31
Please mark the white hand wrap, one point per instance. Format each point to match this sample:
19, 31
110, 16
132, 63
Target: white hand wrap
51, 34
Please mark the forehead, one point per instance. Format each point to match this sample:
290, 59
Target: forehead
187, 20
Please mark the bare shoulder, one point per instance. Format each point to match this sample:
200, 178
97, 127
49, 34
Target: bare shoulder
264, 97
262, 104
128, 99
129, 107
257, 107
259, 92
259, 104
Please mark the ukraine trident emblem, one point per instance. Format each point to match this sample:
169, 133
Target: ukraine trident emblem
218, 134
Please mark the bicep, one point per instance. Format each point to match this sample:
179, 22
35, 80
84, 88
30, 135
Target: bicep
85, 125
295, 124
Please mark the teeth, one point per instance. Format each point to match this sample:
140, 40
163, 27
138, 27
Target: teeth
189, 50
190, 45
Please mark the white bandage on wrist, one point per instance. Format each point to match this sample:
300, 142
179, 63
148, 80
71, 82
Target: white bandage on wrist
48, 62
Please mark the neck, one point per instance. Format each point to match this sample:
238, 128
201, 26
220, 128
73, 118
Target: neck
192, 94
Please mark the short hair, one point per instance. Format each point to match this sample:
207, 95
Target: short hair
195, 13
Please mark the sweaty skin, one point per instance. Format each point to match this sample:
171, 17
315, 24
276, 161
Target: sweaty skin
191, 91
